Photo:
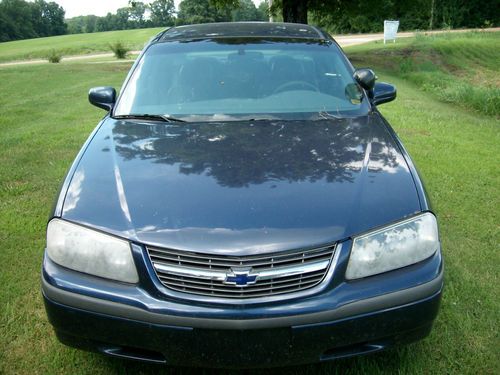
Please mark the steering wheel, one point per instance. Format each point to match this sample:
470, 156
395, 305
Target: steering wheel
303, 84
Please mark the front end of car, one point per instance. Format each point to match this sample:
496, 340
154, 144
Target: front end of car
357, 296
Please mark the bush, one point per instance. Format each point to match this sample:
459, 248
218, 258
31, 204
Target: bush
119, 50
54, 57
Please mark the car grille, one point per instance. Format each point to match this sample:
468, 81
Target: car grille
240, 277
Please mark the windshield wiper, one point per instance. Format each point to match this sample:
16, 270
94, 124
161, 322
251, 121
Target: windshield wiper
145, 116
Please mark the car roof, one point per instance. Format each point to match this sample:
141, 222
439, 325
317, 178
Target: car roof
242, 30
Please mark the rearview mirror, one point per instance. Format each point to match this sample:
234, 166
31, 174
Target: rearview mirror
103, 97
383, 93
366, 78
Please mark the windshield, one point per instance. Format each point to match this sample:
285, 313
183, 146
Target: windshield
231, 79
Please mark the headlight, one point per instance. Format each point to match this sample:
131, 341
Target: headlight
393, 247
89, 251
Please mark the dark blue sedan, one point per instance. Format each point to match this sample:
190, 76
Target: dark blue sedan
242, 204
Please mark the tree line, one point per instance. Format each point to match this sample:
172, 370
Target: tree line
361, 16
20, 19
161, 13
350, 16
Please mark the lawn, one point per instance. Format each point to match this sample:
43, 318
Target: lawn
460, 68
45, 117
75, 44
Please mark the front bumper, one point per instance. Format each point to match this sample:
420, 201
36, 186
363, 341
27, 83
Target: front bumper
350, 318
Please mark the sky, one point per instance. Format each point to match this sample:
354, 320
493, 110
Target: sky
98, 7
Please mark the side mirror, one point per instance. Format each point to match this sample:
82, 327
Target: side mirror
366, 78
103, 97
383, 93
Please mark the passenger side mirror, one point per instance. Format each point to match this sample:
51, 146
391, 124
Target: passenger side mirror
366, 78
103, 97
383, 93
379, 92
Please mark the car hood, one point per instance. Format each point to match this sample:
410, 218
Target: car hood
241, 187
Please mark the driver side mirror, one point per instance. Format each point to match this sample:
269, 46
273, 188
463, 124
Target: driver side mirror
103, 97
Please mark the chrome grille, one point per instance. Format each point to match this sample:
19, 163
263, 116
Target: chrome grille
206, 274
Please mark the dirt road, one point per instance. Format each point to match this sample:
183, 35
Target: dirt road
343, 40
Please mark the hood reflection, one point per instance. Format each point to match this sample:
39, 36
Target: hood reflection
239, 154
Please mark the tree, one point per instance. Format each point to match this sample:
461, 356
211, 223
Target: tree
162, 12
106, 23
292, 10
246, 11
121, 19
354, 16
90, 23
52, 18
200, 11
136, 13
263, 11
16, 20
21, 19
76, 25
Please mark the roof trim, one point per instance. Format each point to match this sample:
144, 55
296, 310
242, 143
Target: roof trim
263, 30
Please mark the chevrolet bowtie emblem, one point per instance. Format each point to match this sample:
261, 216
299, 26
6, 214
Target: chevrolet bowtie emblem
240, 276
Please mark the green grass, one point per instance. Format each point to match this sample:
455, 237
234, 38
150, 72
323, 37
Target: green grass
75, 44
46, 117
459, 68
